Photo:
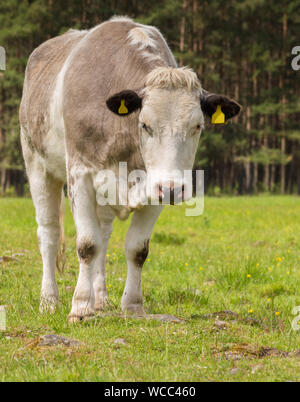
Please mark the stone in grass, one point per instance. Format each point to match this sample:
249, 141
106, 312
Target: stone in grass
255, 368
120, 341
233, 356
219, 325
54, 340
158, 317
235, 371
165, 318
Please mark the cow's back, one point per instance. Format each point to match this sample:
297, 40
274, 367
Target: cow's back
42, 70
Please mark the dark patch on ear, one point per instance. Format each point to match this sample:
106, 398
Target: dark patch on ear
209, 103
124, 103
86, 251
142, 254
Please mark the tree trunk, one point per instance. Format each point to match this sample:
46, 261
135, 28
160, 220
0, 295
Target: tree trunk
247, 162
283, 102
266, 167
182, 30
272, 177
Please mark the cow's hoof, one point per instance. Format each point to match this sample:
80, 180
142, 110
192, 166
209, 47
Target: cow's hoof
72, 319
102, 305
134, 309
48, 305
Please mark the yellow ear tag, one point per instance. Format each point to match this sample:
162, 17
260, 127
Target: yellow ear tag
218, 117
123, 109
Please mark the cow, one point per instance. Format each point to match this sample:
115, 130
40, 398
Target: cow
92, 99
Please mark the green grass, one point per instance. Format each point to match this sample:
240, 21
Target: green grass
241, 255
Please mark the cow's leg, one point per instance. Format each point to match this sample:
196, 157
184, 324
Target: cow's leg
46, 193
136, 248
88, 242
106, 217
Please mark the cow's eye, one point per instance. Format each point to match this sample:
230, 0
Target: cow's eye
146, 128
197, 129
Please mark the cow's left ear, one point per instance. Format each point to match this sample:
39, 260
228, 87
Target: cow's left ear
124, 103
210, 102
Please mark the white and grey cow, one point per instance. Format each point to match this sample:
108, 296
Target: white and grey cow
92, 99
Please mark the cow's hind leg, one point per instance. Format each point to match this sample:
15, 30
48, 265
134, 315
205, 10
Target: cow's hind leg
46, 193
136, 248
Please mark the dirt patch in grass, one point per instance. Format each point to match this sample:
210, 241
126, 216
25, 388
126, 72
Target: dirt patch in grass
240, 351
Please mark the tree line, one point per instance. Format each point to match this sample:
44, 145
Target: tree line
241, 48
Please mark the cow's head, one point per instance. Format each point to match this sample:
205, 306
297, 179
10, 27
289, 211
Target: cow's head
172, 107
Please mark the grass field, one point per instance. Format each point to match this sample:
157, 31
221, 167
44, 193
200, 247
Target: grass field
242, 255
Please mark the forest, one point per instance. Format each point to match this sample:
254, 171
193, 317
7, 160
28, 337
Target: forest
241, 48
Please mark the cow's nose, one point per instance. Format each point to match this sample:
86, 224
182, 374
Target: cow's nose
170, 194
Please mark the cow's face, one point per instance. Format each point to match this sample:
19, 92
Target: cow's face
170, 125
171, 119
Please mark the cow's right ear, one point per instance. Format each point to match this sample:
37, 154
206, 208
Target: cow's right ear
124, 103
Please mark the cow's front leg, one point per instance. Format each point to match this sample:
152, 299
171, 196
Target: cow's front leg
106, 217
88, 241
136, 248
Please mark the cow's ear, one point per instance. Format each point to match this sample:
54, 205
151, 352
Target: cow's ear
210, 102
124, 103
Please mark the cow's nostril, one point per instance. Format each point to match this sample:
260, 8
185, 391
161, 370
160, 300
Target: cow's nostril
160, 192
182, 190
170, 194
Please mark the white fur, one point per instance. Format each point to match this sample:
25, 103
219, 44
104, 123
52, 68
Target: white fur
55, 140
140, 38
120, 18
46, 193
139, 232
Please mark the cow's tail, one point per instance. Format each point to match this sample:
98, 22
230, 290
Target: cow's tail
61, 256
